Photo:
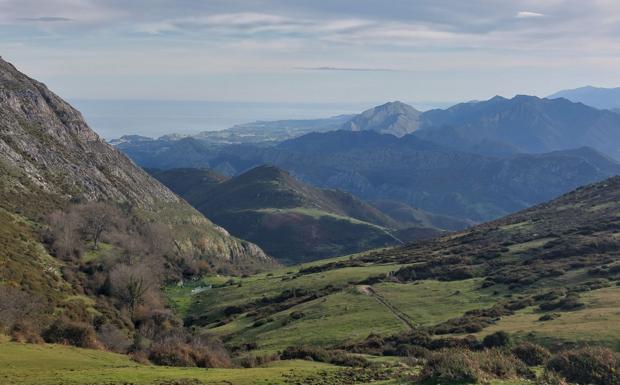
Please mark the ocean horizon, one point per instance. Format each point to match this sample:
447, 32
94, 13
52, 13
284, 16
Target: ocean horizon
153, 118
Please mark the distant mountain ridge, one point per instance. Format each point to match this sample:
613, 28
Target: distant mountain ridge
523, 124
294, 221
598, 97
409, 170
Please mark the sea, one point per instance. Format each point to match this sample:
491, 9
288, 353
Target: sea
112, 119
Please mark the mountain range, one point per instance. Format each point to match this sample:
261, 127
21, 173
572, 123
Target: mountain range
598, 97
523, 124
409, 170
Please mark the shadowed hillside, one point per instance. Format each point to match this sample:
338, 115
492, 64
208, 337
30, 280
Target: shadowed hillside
294, 221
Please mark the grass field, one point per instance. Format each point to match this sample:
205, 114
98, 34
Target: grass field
22, 364
597, 323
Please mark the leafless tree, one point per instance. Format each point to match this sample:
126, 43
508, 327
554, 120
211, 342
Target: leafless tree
158, 238
132, 283
98, 217
64, 228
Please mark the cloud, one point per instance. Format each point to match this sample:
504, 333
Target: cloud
46, 19
528, 15
353, 69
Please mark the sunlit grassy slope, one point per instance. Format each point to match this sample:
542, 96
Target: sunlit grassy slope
54, 365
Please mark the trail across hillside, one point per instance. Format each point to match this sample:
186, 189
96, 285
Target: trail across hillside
369, 290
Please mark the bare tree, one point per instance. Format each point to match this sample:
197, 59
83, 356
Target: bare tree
132, 283
64, 228
97, 217
158, 238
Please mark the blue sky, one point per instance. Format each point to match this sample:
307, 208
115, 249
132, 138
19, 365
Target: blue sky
313, 50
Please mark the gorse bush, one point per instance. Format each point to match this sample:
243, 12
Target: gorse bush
497, 340
550, 378
177, 349
587, 365
336, 357
501, 364
451, 366
466, 366
531, 354
71, 333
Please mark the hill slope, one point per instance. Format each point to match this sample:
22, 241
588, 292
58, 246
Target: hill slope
73, 210
289, 219
50, 155
557, 262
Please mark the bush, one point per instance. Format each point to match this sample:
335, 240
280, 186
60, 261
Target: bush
25, 332
550, 378
113, 338
501, 365
588, 365
335, 357
497, 340
465, 366
549, 317
531, 354
252, 361
178, 350
71, 333
451, 366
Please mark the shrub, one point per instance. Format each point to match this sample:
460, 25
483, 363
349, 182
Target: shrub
25, 332
71, 333
113, 338
297, 315
587, 366
253, 361
179, 350
451, 366
497, 340
336, 357
531, 354
549, 317
550, 378
502, 365
465, 366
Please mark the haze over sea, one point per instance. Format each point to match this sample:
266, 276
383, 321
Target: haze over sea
115, 118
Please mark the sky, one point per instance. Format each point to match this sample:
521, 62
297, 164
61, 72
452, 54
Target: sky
313, 50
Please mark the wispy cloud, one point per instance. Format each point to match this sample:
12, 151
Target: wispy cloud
46, 19
353, 69
528, 15
451, 42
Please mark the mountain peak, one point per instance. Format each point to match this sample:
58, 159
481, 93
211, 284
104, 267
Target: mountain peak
266, 172
395, 118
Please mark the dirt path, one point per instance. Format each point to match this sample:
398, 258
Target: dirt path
368, 290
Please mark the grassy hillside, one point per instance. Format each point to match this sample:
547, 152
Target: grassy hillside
548, 274
22, 364
291, 220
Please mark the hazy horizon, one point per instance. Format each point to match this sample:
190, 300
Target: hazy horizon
153, 118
